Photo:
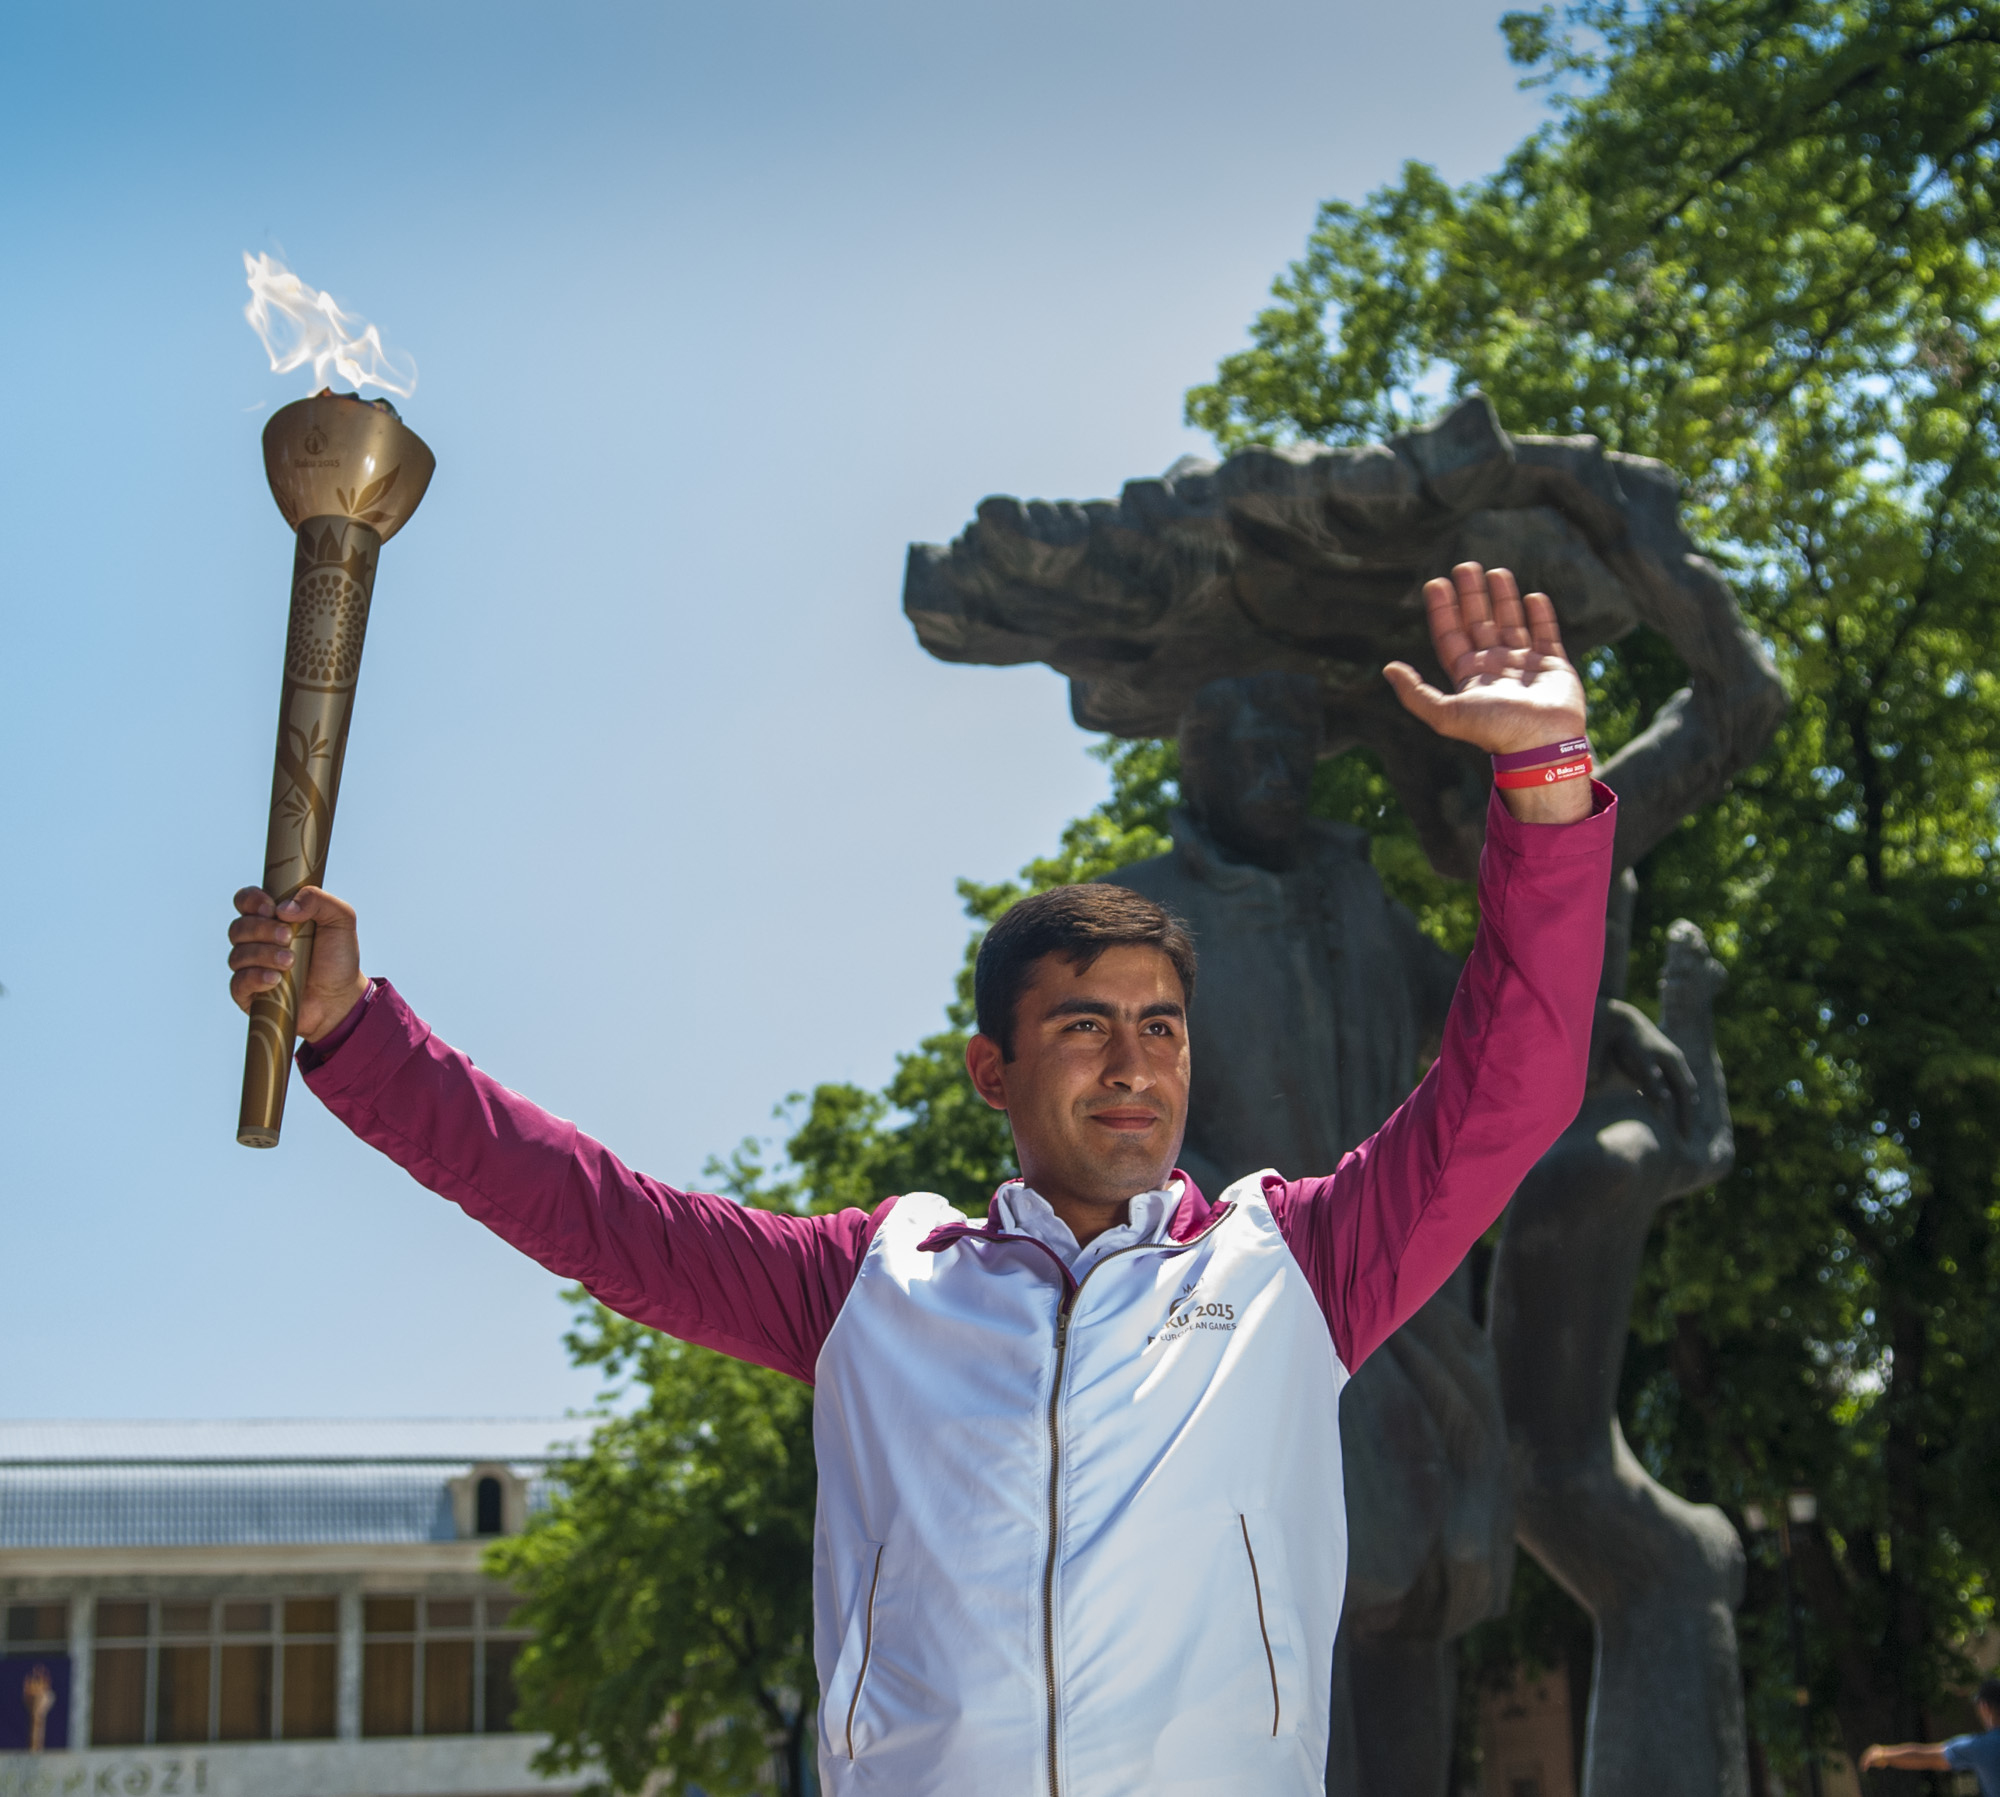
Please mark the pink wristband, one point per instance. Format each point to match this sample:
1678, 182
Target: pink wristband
1520, 758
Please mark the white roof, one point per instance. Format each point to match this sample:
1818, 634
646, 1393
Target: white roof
283, 1440
211, 1484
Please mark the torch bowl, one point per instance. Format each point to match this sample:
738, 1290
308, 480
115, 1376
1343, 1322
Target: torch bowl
338, 456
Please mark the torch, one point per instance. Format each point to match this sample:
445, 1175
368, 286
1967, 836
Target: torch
347, 474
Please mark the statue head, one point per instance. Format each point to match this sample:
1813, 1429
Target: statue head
1248, 748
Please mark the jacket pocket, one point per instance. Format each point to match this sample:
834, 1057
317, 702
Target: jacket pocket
857, 1649
1270, 1590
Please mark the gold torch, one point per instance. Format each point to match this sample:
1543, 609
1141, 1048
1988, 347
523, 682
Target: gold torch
347, 473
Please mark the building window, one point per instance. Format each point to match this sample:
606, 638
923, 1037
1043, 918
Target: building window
37, 1628
488, 1499
120, 1677
181, 1670
309, 1705
438, 1665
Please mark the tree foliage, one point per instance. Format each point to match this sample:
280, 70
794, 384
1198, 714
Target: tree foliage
1757, 239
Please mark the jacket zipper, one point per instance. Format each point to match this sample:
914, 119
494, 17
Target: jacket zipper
1055, 1465
1257, 1585
1055, 1494
867, 1651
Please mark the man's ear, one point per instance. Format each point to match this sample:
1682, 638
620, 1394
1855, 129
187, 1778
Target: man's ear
983, 1062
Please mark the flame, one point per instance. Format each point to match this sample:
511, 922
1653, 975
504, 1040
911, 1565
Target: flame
298, 324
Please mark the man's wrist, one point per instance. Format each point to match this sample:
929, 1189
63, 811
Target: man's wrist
1569, 802
344, 1021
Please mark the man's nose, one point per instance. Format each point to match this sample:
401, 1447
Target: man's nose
1125, 1066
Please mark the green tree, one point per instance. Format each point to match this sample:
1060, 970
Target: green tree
669, 1584
1757, 239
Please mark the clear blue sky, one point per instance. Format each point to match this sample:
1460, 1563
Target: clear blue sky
653, 804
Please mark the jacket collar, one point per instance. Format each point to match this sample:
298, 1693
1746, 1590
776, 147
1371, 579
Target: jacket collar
1192, 1215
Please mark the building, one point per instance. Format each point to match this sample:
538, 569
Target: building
263, 1609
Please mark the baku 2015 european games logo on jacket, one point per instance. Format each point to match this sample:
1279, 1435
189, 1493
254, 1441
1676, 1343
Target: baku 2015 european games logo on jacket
1189, 1312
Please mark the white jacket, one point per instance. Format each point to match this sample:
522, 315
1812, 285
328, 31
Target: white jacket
1077, 1541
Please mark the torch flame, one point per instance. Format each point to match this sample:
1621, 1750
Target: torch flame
298, 324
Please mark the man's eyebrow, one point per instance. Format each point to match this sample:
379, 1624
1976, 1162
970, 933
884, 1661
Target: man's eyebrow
1098, 1007
1083, 1007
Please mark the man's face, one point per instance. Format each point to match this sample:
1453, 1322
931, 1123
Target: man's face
1097, 1090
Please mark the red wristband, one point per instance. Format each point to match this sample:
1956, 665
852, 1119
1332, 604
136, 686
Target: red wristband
1576, 769
1548, 752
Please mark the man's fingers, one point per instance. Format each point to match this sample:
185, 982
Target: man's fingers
260, 954
314, 904
1475, 603
245, 986
1419, 697
1508, 618
1442, 613
1544, 629
265, 947
262, 929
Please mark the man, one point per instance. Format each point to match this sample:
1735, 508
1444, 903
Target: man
1080, 1488
1979, 1754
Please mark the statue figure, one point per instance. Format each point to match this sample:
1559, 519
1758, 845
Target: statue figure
1248, 607
1659, 1576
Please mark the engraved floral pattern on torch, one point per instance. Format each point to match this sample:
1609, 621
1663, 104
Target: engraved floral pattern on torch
329, 617
329, 608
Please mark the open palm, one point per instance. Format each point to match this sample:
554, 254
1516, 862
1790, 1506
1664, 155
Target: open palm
1513, 687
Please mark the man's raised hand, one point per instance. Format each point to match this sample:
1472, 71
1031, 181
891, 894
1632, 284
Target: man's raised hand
1513, 687
261, 949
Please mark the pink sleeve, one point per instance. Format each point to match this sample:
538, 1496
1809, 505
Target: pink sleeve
1388, 1226
761, 1285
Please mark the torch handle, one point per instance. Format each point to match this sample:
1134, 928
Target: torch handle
333, 579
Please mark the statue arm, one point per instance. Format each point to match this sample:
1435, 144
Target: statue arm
1717, 724
1385, 1229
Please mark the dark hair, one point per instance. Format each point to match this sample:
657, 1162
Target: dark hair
1078, 923
1988, 1694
